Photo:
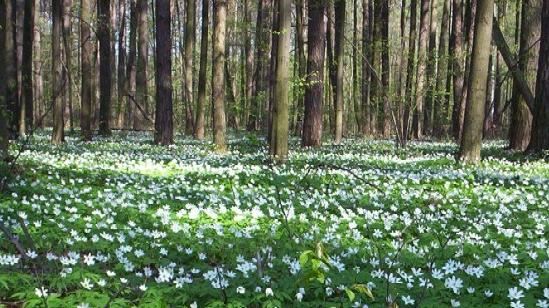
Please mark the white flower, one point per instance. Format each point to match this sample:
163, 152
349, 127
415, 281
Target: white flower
542, 303
111, 274
455, 303
193, 305
515, 294
42, 292
453, 283
269, 292
299, 297
240, 290
517, 304
83, 305
87, 284
143, 287
408, 300
546, 292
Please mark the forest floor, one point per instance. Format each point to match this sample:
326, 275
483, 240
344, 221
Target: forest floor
122, 222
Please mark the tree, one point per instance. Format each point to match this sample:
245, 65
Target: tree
105, 71
4, 133
540, 127
67, 60
421, 68
141, 93
199, 124
122, 85
409, 94
27, 74
58, 82
12, 98
38, 87
163, 124
312, 122
385, 69
131, 67
521, 117
458, 68
441, 96
218, 74
190, 32
340, 7
474, 110
280, 126
86, 63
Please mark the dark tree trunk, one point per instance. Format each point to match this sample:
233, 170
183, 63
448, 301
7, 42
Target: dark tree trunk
86, 62
385, 70
58, 82
105, 69
38, 89
540, 127
312, 123
458, 67
339, 41
11, 70
421, 69
122, 89
163, 124
366, 71
409, 93
28, 38
190, 32
218, 74
141, 95
441, 96
131, 109
199, 126
4, 133
301, 29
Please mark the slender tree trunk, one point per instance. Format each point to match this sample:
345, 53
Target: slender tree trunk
458, 67
4, 133
11, 70
521, 117
421, 69
141, 95
58, 82
122, 89
190, 32
474, 112
340, 7
431, 71
19, 20
163, 124
279, 141
86, 54
540, 127
312, 122
386, 69
218, 74
410, 76
105, 71
67, 91
401, 75
441, 96
38, 89
249, 56
28, 38
366, 71
199, 126
355, 59
301, 34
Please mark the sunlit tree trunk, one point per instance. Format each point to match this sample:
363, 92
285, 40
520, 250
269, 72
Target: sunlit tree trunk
190, 32
121, 80
86, 62
410, 76
340, 8
11, 70
421, 68
131, 109
366, 70
471, 140
199, 125
441, 97
141, 92
218, 74
67, 61
58, 82
38, 88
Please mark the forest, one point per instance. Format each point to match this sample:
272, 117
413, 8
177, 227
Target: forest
274, 153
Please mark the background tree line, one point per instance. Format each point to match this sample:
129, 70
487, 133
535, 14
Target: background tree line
417, 69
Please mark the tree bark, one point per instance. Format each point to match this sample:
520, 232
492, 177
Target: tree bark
141, 82
410, 76
474, 111
190, 32
58, 82
312, 122
163, 124
4, 132
11, 70
339, 49
441, 96
38, 88
67, 52
540, 127
86, 62
279, 138
421, 69
105, 72
301, 34
385, 70
28, 38
218, 75
458, 67
131, 68
122, 89
199, 126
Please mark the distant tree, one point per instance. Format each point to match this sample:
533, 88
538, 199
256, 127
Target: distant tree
105, 70
164, 107
540, 128
86, 47
474, 112
218, 74
58, 83
312, 122
280, 126
202, 73
141, 94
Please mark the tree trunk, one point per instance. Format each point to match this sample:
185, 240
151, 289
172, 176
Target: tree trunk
441, 96
385, 70
163, 123
19, 20
67, 91
540, 127
431, 71
521, 117
366, 71
190, 32
199, 126
58, 82
279, 141
28, 38
409, 93
131, 68
86, 62
38, 88
421, 69
340, 7
355, 60
105, 72
458, 67
141, 92
301, 29
11, 70
4, 133
474, 111
312, 122
122, 89
218, 74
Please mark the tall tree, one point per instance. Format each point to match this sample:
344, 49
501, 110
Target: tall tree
279, 137
121, 83
540, 127
163, 123
28, 38
521, 117
409, 91
58, 82
141, 95
67, 60
190, 32
131, 67
458, 67
301, 36
12, 99
86, 63
421, 68
218, 74
4, 133
385, 69
474, 110
199, 124
366, 71
38, 86
105, 71
340, 7
441, 96
312, 122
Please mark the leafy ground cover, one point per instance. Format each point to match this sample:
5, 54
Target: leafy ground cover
120, 223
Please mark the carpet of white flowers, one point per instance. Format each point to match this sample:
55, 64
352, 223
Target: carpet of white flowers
119, 222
